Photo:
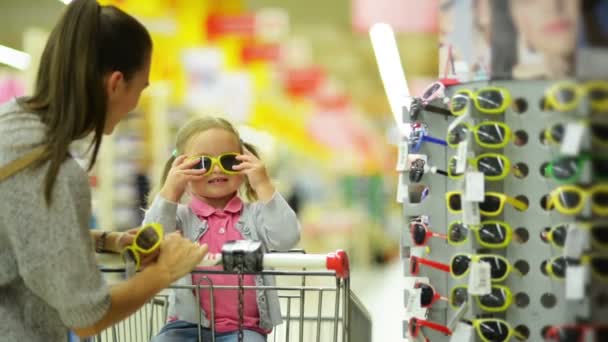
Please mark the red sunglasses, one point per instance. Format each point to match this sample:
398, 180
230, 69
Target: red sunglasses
415, 263
415, 324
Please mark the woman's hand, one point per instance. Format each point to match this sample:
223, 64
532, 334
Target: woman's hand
255, 170
178, 177
178, 256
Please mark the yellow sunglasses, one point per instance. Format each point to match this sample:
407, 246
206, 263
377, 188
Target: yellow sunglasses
556, 267
599, 133
567, 96
225, 161
488, 134
494, 330
146, 241
500, 267
487, 100
492, 205
494, 166
571, 199
498, 300
489, 234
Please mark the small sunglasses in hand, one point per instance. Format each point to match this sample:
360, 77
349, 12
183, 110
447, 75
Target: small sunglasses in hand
146, 241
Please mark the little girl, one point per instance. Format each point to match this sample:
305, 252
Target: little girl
210, 164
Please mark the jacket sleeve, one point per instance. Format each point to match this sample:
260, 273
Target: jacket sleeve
165, 213
277, 224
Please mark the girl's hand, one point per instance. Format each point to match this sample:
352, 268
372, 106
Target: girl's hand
178, 177
255, 170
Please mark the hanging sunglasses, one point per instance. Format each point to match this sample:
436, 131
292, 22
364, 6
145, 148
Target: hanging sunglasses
146, 241
488, 134
489, 234
416, 261
428, 294
571, 199
557, 235
599, 133
567, 96
418, 168
500, 267
487, 100
494, 166
415, 324
498, 300
225, 161
569, 169
556, 267
421, 233
418, 135
494, 330
492, 205
576, 333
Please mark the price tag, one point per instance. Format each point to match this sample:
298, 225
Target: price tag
573, 138
459, 315
576, 278
577, 241
462, 156
470, 212
474, 186
402, 156
480, 279
402, 192
412, 301
463, 333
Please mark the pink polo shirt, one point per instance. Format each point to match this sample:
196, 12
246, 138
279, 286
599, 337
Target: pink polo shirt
221, 228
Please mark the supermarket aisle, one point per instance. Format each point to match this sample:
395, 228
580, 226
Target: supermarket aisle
380, 290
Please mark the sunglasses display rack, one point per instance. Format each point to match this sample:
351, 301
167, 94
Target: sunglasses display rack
538, 300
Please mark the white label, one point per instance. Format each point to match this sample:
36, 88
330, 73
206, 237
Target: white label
573, 138
575, 282
474, 186
412, 301
470, 212
402, 156
461, 157
401, 189
577, 240
480, 279
455, 320
463, 333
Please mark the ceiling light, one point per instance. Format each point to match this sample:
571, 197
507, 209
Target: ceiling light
14, 58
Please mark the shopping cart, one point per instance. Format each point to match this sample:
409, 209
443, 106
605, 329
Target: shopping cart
316, 301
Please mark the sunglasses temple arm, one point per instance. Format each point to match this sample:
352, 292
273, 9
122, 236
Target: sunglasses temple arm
434, 264
439, 235
434, 326
438, 110
518, 204
434, 140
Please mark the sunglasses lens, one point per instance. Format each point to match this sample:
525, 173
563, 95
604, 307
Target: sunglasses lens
559, 267
452, 167
600, 198
490, 99
204, 163
565, 95
557, 133
147, 238
455, 202
458, 232
460, 264
493, 233
228, 162
459, 102
565, 168
494, 330
498, 266
458, 134
568, 199
490, 204
599, 232
430, 91
427, 293
496, 299
491, 133
600, 131
558, 235
601, 333
418, 231
493, 166
600, 167
600, 265
598, 94
459, 296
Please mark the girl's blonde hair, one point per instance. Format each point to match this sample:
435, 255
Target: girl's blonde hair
199, 125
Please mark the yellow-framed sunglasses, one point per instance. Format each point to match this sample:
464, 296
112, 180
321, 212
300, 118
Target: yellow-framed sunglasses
556, 267
554, 134
500, 267
489, 234
567, 96
225, 161
494, 166
598, 232
492, 205
571, 199
146, 241
488, 134
494, 330
487, 100
498, 300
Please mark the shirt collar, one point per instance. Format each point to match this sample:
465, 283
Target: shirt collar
200, 208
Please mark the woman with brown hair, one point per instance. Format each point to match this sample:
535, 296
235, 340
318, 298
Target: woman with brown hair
92, 71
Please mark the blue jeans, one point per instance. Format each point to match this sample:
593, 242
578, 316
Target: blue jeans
181, 331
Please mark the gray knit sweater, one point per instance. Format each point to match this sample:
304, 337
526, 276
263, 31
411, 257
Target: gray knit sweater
48, 276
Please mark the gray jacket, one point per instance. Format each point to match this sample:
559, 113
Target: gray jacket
273, 223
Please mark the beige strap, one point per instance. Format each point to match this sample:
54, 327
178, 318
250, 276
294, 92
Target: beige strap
21, 163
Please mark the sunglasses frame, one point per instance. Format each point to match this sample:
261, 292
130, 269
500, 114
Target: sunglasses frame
421, 323
477, 258
473, 96
476, 229
508, 298
217, 161
416, 260
474, 129
553, 333
436, 295
134, 250
428, 233
474, 160
579, 90
583, 193
580, 163
517, 204
476, 323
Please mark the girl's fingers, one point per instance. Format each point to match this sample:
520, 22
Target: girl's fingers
178, 160
244, 166
246, 157
189, 164
192, 172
